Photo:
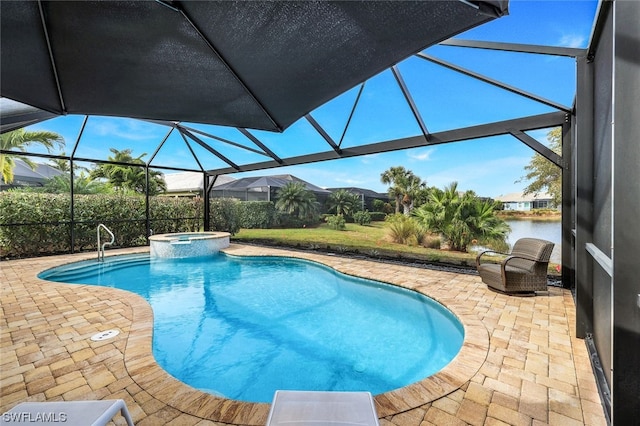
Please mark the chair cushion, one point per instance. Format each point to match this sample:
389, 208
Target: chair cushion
533, 248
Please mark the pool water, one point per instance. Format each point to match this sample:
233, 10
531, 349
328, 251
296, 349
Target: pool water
243, 328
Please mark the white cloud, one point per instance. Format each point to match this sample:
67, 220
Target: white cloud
350, 182
572, 40
369, 159
421, 155
128, 129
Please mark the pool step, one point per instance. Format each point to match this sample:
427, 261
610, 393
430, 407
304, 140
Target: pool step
69, 272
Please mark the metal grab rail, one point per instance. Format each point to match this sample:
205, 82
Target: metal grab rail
101, 247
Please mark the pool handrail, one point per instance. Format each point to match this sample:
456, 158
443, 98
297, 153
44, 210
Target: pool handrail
101, 247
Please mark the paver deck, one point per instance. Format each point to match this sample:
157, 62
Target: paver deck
521, 363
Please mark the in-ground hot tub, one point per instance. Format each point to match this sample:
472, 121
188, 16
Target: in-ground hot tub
188, 244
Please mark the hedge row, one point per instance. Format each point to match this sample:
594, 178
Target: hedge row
230, 215
33, 224
377, 216
257, 214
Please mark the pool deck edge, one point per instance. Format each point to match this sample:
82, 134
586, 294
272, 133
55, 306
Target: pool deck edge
520, 362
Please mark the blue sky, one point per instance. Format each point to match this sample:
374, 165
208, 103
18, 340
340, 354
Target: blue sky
446, 100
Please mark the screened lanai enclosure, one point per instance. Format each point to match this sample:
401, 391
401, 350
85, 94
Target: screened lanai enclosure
233, 87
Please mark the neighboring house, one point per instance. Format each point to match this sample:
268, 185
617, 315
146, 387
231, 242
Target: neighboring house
189, 184
263, 188
24, 175
366, 196
520, 202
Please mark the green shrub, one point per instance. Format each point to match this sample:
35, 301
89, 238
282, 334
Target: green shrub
402, 228
337, 222
377, 216
173, 214
33, 224
420, 232
124, 215
285, 220
362, 217
378, 205
224, 215
432, 242
256, 214
461, 217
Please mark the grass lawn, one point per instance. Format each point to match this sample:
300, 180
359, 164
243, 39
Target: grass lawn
370, 240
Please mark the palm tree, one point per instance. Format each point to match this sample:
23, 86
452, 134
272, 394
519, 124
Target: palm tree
295, 199
18, 140
462, 218
413, 186
404, 187
61, 164
393, 177
131, 177
64, 165
343, 201
82, 184
492, 230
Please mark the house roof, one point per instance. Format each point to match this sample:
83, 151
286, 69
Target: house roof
24, 173
190, 181
519, 197
259, 183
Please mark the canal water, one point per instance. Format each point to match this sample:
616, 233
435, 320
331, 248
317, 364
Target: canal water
550, 230
543, 229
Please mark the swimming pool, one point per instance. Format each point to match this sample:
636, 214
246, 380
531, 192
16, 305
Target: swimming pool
244, 327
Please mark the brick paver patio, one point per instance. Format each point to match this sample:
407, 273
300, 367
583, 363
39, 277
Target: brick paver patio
520, 365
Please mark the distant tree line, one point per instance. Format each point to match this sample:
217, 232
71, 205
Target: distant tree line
459, 219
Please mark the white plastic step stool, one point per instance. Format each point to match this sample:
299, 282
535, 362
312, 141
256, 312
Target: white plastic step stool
301, 408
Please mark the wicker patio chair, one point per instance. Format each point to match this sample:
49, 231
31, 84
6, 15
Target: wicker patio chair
523, 271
